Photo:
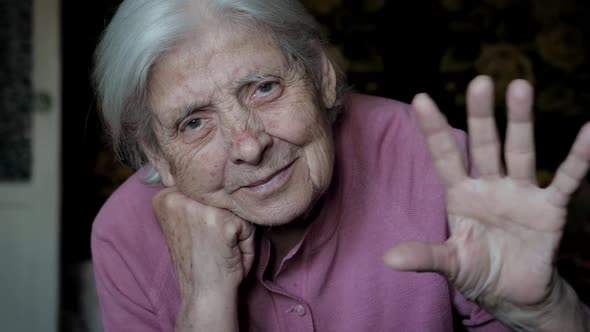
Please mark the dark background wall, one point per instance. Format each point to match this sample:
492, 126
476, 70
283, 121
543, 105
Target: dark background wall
389, 48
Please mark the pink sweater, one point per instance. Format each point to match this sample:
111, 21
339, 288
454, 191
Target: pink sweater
384, 191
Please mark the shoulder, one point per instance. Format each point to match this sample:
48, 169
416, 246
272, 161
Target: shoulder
382, 114
380, 130
376, 112
384, 162
377, 125
128, 248
127, 210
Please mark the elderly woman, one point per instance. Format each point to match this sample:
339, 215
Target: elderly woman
267, 196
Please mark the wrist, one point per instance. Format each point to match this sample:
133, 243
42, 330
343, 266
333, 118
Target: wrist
561, 310
208, 310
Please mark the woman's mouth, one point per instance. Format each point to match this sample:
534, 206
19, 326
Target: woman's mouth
272, 182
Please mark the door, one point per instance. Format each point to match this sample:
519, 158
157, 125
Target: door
29, 208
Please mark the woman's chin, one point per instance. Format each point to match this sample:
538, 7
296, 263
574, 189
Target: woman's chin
277, 214
271, 218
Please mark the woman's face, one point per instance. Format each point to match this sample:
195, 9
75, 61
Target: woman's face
238, 128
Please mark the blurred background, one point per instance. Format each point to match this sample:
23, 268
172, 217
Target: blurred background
57, 169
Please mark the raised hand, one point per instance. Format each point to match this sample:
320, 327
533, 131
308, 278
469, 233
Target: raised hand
212, 251
505, 229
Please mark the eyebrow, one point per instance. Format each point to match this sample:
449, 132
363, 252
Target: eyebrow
250, 79
186, 111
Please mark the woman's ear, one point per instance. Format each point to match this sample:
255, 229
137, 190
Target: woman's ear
328, 82
161, 165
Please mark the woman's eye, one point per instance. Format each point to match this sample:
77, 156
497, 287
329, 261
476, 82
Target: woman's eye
194, 123
265, 88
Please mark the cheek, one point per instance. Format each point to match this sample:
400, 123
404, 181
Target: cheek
200, 170
215, 171
181, 161
272, 123
320, 160
296, 126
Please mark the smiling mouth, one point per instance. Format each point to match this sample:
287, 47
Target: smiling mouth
275, 180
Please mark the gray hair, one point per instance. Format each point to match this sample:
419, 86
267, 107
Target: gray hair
144, 31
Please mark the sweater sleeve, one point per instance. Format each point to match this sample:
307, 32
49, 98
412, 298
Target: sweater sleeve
131, 263
124, 305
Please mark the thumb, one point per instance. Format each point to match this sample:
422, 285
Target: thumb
421, 257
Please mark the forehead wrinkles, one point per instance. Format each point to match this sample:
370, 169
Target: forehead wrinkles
212, 63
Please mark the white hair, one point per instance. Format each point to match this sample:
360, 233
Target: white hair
144, 31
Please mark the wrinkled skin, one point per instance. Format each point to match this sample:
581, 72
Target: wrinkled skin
243, 140
231, 113
505, 229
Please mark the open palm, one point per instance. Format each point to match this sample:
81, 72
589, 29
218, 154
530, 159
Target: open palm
505, 229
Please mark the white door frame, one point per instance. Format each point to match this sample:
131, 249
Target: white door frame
29, 212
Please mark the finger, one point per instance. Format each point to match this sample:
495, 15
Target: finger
520, 144
483, 135
247, 231
236, 229
246, 244
421, 257
165, 200
239, 234
571, 172
447, 159
164, 193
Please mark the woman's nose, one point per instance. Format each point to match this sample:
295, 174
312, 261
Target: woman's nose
248, 146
